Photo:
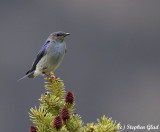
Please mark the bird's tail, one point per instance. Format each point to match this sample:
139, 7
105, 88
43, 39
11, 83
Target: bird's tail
28, 74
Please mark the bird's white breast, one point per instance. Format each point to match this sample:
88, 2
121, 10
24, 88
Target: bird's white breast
54, 55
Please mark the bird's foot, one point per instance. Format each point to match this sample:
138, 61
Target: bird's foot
52, 75
52, 78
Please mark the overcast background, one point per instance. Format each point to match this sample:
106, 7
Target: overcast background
112, 63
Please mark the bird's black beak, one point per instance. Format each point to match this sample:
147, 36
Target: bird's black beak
66, 34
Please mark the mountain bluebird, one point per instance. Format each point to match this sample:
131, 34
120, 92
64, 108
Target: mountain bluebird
50, 55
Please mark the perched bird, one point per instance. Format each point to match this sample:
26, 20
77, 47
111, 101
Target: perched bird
50, 55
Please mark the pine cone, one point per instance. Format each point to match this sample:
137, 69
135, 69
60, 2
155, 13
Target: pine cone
33, 129
69, 98
57, 123
65, 114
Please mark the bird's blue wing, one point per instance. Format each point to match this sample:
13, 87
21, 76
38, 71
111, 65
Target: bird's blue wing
41, 53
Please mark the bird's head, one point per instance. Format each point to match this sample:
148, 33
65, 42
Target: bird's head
59, 36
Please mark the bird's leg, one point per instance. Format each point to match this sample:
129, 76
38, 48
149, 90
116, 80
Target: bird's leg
48, 76
52, 74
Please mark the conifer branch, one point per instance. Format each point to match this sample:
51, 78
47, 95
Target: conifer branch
56, 113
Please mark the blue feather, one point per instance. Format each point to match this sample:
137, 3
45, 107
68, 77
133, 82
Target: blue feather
26, 76
41, 53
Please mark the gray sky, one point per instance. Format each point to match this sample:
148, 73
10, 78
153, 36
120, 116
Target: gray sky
112, 63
